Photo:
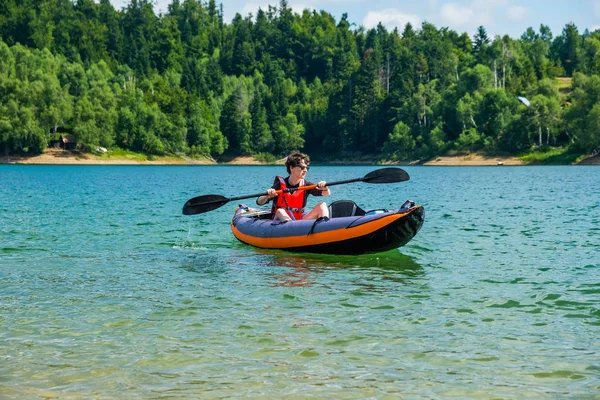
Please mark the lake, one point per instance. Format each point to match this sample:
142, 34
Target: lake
108, 291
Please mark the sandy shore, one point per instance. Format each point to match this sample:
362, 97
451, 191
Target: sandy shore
54, 156
251, 161
474, 160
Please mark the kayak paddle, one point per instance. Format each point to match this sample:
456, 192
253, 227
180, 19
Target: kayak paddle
202, 204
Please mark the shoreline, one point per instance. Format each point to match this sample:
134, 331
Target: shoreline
473, 160
62, 157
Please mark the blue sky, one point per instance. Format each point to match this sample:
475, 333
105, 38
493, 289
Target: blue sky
499, 17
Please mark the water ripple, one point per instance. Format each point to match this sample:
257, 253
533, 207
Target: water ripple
106, 291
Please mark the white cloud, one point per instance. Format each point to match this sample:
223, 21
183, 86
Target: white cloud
323, 3
250, 8
595, 28
466, 15
516, 13
596, 7
487, 4
119, 4
455, 14
390, 18
162, 5
299, 8
432, 4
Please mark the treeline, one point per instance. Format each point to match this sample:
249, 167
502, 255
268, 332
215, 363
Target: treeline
187, 82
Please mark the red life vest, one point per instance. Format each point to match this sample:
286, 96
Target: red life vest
292, 203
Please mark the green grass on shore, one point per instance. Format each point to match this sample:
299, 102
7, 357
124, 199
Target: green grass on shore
553, 156
545, 156
123, 154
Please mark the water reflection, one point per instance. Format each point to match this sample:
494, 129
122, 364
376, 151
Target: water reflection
302, 269
391, 260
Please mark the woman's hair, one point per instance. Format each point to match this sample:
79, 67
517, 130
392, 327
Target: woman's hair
295, 159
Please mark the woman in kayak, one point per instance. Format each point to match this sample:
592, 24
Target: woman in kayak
290, 206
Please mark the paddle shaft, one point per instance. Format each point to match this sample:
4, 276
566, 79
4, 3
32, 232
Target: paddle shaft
206, 203
289, 190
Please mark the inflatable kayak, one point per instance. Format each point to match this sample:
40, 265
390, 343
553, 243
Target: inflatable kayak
350, 230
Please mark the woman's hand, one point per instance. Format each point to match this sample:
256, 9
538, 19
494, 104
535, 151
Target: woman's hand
322, 186
271, 193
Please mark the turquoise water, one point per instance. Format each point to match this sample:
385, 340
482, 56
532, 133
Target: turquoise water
107, 291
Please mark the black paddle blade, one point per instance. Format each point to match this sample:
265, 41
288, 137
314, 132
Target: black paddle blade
202, 204
386, 175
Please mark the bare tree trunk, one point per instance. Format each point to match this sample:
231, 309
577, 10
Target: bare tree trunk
506, 55
473, 121
424, 111
388, 73
349, 96
495, 75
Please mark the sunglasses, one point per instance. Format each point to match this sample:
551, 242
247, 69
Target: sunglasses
302, 167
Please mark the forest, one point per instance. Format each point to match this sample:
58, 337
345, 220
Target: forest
186, 82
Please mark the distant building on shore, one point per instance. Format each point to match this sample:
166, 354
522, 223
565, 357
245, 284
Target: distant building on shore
65, 142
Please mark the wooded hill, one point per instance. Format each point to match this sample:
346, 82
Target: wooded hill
188, 82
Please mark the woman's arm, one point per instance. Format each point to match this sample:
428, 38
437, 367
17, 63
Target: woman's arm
320, 190
271, 193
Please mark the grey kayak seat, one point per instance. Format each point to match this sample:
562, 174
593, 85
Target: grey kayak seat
344, 208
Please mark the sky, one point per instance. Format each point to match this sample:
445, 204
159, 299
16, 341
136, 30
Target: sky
498, 17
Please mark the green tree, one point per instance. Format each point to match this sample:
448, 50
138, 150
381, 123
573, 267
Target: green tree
582, 117
547, 112
186, 81
367, 98
235, 122
481, 42
261, 139
589, 57
495, 113
467, 110
140, 26
19, 130
537, 48
469, 140
203, 135
95, 113
568, 46
168, 51
400, 144
288, 135
476, 79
